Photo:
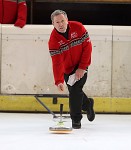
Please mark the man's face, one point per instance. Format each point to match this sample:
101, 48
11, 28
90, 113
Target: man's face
60, 22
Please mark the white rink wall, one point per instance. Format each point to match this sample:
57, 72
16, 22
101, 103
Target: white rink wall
26, 64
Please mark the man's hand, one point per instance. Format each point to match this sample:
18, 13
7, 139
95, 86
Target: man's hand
79, 73
60, 87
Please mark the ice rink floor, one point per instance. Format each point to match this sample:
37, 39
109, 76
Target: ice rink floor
26, 131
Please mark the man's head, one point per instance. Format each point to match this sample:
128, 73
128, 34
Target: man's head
59, 20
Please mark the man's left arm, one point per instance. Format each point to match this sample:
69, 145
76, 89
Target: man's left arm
85, 60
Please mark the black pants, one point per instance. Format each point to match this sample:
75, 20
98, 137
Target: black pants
78, 100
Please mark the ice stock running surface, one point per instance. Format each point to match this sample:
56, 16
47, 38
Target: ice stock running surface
19, 131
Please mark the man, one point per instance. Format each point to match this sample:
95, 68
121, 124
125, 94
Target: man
70, 49
13, 12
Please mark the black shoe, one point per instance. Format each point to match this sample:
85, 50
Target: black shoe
90, 110
76, 124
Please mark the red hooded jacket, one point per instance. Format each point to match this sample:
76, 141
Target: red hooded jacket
13, 12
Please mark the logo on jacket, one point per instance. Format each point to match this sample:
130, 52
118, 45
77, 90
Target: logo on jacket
61, 42
74, 35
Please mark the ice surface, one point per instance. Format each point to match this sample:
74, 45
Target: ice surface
21, 131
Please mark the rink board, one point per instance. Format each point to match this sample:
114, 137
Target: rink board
30, 104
